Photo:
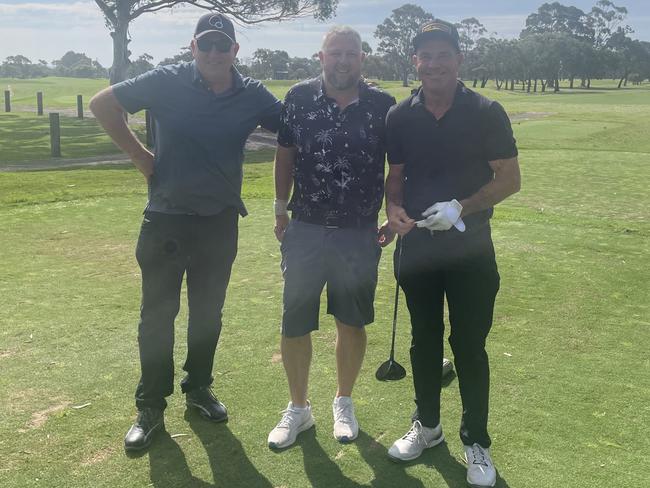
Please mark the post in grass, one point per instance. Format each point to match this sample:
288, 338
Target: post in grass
55, 135
39, 103
80, 107
7, 101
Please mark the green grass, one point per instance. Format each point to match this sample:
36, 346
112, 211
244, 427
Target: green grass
26, 137
58, 93
569, 393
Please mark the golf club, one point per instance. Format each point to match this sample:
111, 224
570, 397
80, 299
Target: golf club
391, 369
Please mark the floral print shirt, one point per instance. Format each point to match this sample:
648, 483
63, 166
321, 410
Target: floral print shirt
339, 167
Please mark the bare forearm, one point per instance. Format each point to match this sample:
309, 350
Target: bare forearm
394, 188
110, 115
506, 182
283, 172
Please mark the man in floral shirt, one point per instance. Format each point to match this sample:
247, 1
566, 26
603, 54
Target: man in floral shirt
331, 149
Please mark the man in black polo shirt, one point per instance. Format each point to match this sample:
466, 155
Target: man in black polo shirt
203, 111
331, 149
452, 157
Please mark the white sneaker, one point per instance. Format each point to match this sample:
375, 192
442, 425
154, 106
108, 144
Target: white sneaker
294, 421
415, 442
480, 469
346, 427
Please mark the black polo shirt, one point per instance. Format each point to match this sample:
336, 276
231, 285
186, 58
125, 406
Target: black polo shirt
341, 154
199, 136
448, 158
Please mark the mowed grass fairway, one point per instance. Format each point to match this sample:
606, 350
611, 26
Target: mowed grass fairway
569, 346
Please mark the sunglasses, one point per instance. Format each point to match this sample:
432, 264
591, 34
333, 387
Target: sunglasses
221, 44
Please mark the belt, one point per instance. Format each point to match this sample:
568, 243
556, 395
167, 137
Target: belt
337, 221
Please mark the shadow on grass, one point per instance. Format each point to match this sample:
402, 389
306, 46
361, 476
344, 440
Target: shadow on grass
438, 459
319, 468
228, 462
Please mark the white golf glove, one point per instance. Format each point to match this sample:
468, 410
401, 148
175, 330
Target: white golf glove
442, 216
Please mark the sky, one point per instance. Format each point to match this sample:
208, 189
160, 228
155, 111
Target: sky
47, 29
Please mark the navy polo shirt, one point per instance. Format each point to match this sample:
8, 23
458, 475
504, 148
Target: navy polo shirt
199, 136
448, 158
341, 154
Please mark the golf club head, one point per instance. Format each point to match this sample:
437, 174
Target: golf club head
390, 370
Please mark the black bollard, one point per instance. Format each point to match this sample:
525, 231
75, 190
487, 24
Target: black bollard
55, 135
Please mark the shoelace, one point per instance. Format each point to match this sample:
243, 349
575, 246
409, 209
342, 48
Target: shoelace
479, 455
415, 433
206, 394
288, 418
344, 414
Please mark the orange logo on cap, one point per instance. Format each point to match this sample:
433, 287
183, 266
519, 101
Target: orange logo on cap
436, 26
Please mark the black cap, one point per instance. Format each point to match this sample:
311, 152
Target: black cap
437, 29
214, 23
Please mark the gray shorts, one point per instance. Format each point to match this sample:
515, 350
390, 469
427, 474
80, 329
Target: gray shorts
345, 259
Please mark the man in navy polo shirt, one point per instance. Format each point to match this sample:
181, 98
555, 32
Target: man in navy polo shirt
203, 111
452, 158
331, 150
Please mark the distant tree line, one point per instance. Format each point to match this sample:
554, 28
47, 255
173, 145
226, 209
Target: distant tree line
71, 64
558, 43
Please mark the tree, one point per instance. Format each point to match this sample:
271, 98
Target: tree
557, 18
140, 65
396, 34
78, 65
267, 64
605, 19
301, 68
378, 67
470, 30
118, 14
17, 66
631, 55
184, 56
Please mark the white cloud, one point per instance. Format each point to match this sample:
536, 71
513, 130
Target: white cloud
42, 10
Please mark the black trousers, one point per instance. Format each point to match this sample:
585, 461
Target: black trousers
462, 268
170, 247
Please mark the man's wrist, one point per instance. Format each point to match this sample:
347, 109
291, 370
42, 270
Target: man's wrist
280, 207
390, 206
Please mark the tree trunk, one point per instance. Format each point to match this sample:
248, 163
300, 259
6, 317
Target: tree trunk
571, 82
512, 85
556, 88
405, 77
544, 85
121, 41
535, 90
475, 83
529, 83
498, 83
484, 82
588, 83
